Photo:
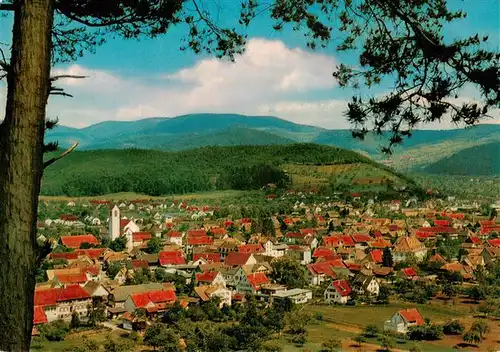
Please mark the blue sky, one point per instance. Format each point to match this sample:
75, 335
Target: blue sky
277, 75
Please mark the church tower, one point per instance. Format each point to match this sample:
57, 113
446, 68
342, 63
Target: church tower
114, 224
130, 241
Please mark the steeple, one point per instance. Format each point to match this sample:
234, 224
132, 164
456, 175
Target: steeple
114, 223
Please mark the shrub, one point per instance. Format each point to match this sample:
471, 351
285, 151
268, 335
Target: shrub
331, 345
55, 331
426, 332
453, 327
371, 331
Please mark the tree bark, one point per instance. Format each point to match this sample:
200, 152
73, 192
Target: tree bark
21, 157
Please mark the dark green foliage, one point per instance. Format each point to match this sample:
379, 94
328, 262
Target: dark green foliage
158, 173
466, 162
387, 258
55, 331
155, 245
428, 332
289, 272
473, 337
121, 345
113, 269
75, 320
477, 293
87, 345
119, 244
332, 344
453, 327
371, 331
161, 336
96, 312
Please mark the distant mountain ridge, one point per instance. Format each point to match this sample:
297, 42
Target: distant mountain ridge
198, 130
482, 160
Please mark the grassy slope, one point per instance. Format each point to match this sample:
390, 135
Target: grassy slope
190, 166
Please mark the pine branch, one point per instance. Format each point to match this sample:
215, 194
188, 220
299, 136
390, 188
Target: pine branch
53, 160
55, 78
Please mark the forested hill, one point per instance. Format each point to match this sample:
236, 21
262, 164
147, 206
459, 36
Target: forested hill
482, 160
88, 173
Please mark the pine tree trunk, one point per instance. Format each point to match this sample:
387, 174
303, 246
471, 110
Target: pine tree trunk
21, 152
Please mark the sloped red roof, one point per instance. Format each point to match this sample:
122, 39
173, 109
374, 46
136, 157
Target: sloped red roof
342, 287
441, 222
39, 316
207, 276
376, 255
218, 231
322, 252
209, 257
124, 222
257, 279
494, 242
488, 230
380, 242
139, 263
174, 234
172, 257
77, 241
322, 269
199, 240
228, 223
92, 253
47, 297
308, 231
80, 278
251, 248
195, 233
361, 237
410, 272
412, 315
237, 258
72, 292
157, 297
476, 240
141, 236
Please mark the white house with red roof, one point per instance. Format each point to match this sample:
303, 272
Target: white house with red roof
174, 237
402, 320
210, 278
339, 291
252, 283
60, 303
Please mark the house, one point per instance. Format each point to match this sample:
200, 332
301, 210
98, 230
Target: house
402, 320
76, 241
252, 283
60, 303
408, 273
275, 250
174, 237
320, 272
365, 284
210, 278
152, 301
339, 291
296, 295
407, 246
209, 257
207, 293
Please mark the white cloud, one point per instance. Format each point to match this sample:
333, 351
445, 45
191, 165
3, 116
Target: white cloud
267, 74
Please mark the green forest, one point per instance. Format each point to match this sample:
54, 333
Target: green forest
92, 173
482, 160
